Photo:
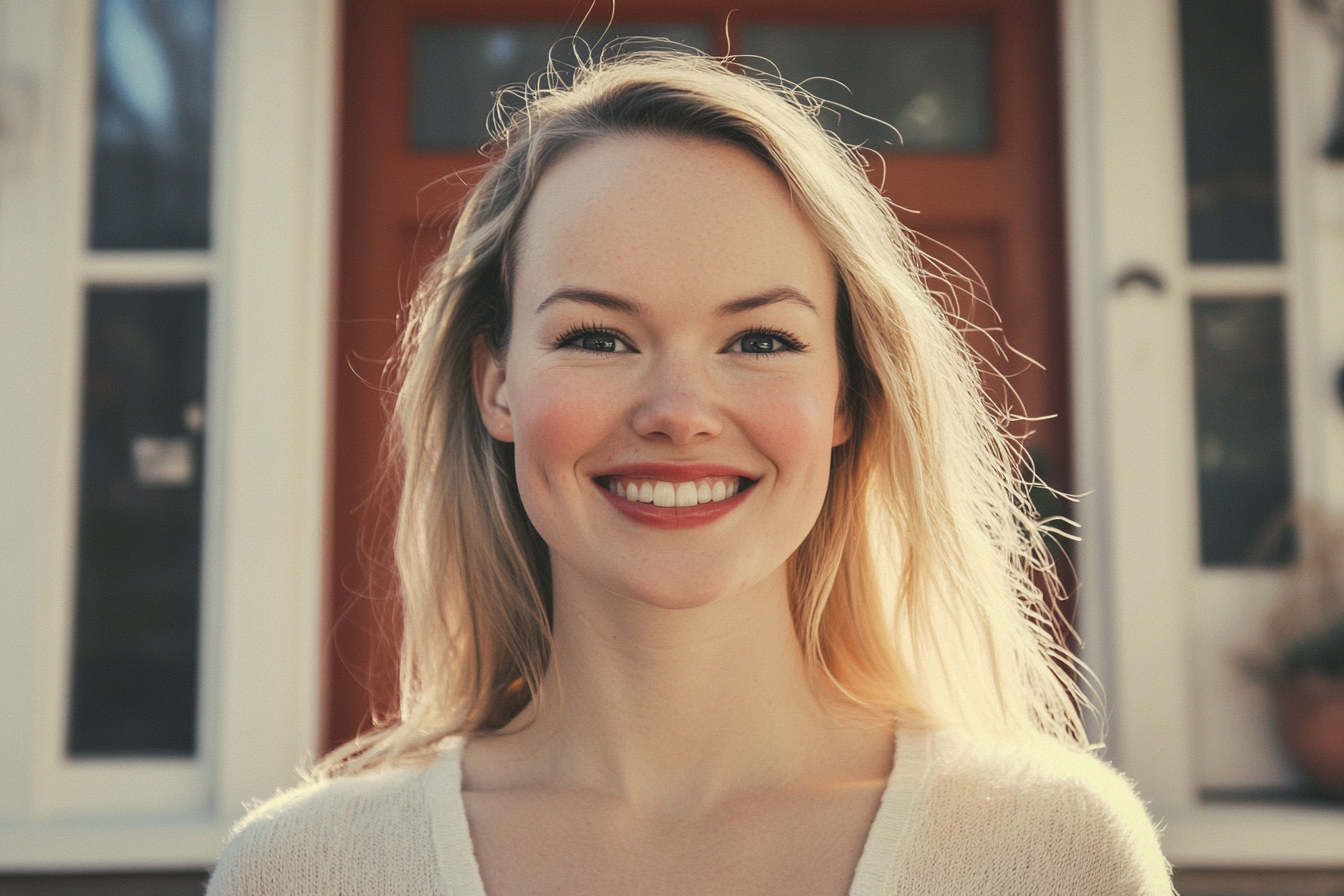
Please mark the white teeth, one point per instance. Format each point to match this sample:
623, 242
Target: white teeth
676, 494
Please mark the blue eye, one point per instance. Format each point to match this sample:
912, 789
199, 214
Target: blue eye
592, 339
597, 342
766, 342
759, 344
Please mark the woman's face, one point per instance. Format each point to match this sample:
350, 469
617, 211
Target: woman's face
671, 381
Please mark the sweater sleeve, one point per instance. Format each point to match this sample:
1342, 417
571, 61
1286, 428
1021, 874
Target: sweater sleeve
1037, 823
364, 835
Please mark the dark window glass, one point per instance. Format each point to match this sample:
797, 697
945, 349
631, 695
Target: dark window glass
1231, 169
137, 603
456, 69
152, 128
1241, 420
932, 83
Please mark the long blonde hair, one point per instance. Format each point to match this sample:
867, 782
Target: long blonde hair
918, 592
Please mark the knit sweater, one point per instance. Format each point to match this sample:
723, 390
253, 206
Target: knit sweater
955, 818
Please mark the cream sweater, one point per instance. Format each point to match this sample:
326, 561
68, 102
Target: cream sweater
954, 819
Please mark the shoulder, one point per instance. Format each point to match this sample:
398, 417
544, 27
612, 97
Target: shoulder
1038, 817
338, 836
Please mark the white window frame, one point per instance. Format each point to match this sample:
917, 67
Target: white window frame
270, 281
1125, 204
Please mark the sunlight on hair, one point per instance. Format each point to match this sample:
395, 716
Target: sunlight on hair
925, 593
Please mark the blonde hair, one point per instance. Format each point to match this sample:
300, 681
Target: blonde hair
916, 592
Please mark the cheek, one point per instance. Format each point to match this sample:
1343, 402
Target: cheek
796, 426
559, 422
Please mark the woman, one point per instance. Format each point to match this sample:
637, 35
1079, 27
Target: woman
718, 574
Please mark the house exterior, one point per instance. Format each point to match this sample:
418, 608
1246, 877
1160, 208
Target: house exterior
1059, 156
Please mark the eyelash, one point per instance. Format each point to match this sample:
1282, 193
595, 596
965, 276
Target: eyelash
791, 343
573, 333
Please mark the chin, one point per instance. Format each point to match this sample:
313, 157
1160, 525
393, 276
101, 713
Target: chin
679, 599
674, 591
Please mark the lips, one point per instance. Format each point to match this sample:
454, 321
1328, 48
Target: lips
662, 493
674, 496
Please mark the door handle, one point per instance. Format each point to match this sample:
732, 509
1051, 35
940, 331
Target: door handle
1139, 275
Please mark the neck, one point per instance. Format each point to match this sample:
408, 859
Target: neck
674, 709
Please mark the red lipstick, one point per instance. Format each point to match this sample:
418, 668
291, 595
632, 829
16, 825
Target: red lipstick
674, 517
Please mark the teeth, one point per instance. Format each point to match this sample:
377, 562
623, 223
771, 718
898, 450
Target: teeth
675, 494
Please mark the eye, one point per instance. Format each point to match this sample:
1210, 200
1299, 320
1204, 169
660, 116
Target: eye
765, 342
592, 339
597, 342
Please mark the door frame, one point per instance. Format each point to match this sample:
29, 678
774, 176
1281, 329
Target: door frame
1125, 202
267, 431
1017, 181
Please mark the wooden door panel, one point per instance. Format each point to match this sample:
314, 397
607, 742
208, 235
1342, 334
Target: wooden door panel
994, 216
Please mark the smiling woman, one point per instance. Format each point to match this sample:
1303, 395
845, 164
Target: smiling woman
654, 280
718, 575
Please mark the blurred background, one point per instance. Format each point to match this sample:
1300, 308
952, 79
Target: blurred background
212, 213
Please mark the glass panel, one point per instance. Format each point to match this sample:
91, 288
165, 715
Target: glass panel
152, 130
932, 83
137, 591
1241, 420
1231, 170
456, 69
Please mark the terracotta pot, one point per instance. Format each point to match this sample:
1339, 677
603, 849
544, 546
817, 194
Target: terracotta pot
1310, 710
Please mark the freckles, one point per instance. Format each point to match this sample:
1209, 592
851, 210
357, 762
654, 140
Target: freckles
797, 418
558, 421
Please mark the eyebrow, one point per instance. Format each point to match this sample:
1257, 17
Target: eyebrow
769, 297
627, 306
592, 297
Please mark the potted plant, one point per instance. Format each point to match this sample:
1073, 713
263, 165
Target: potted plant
1303, 660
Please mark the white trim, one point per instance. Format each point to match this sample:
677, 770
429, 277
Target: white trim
1119, 130
267, 418
1219, 280
1085, 283
147, 268
1124, 202
279, 98
98, 845
1249, 836
36, 316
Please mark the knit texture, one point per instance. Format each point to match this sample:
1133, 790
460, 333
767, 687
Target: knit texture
955, 819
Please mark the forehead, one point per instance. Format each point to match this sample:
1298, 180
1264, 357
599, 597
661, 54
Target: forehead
652, 214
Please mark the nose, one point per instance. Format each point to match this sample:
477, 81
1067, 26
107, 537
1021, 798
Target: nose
677, 405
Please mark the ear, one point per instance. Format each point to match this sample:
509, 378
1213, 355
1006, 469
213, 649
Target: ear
843, 428
492, 392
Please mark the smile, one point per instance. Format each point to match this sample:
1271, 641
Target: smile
660, 493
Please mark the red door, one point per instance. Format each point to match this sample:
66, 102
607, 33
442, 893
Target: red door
991, 210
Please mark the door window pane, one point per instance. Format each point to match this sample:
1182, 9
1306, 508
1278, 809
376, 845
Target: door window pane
137, 604
153, 125
1241, 419
932, 83
1231, 168
456, 69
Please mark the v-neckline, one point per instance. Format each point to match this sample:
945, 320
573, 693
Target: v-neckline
461, 875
